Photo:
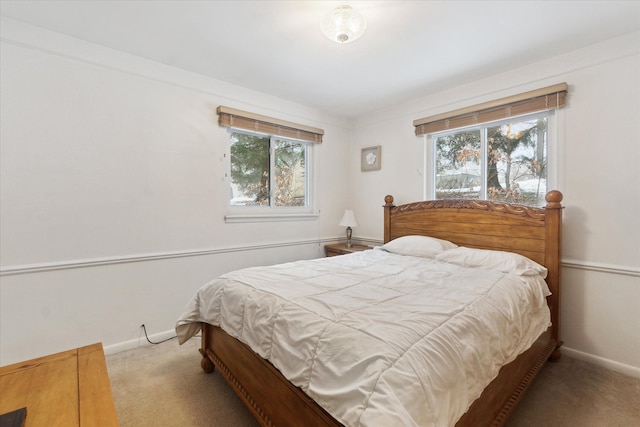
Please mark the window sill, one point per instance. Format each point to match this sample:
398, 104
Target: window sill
270, 217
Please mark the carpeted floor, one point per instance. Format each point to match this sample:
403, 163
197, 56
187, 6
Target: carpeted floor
164, 386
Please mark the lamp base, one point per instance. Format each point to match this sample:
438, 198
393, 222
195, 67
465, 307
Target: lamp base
349, 231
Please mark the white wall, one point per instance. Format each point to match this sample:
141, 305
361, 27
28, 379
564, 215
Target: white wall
113, 192
598, 172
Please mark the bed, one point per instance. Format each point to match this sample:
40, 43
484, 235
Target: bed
468, 225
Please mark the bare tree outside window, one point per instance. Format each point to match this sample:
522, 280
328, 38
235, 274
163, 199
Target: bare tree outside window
514, 160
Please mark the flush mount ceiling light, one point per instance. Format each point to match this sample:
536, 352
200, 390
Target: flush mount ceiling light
343, 24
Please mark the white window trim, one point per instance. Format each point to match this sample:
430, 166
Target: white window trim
252, 214
275, 217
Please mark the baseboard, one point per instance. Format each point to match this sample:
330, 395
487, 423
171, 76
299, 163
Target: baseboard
622, 368
139, 342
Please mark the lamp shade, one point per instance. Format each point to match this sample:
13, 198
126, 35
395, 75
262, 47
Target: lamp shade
343, 25
348, 219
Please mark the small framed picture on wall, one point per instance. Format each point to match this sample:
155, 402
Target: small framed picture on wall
370, 159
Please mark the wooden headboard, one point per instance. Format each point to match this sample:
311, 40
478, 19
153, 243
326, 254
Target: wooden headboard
532, 232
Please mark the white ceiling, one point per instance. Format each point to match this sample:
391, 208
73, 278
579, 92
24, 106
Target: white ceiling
276, 47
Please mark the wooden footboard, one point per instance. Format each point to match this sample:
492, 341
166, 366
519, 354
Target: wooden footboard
274, 401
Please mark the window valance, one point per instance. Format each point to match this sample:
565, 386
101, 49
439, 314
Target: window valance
238, 119
533, 101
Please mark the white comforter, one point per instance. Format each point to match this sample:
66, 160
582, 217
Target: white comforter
375, 338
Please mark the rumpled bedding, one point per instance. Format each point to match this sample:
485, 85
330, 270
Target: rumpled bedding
375, 338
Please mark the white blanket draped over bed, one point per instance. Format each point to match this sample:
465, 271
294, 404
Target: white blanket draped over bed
378, 339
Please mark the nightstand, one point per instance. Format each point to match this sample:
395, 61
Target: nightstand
342, 249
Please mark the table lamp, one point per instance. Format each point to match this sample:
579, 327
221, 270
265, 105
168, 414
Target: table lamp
348, 220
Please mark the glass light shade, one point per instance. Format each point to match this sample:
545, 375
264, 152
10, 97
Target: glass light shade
348, 219
343, 24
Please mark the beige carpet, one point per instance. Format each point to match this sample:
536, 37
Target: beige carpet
163, 385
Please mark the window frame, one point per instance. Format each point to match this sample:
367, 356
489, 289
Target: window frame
241, 213
429, 181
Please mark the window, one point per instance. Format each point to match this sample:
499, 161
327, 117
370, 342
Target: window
504, 161
268, 171
498, 150
270, 167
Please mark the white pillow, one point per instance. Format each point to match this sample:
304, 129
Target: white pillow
507, 262
420, 246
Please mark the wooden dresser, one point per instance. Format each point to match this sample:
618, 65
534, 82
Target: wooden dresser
64, 389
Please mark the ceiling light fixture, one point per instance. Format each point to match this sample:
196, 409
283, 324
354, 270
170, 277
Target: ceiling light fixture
343, 24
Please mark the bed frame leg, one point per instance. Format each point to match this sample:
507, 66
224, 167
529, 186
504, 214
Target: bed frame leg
206, 364
555, 355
